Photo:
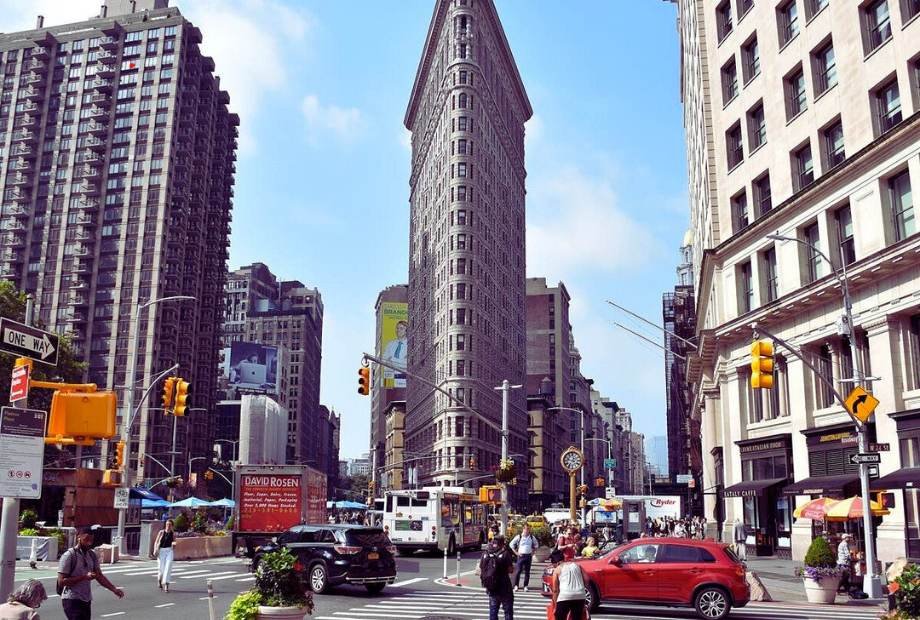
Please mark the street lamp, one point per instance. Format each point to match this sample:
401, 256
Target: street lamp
235, 444
127, 417
582, 472
871, 582
609, 454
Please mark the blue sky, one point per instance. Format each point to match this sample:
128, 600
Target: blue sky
322, 177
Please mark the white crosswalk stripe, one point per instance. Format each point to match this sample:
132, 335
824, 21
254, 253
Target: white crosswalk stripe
468, 604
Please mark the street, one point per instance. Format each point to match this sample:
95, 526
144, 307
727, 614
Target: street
418, 593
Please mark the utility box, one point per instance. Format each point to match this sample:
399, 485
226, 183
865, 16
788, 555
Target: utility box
83, 414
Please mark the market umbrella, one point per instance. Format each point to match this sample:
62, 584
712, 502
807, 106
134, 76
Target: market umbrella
154, 503
852, 508
611, 504
223, 503
190, 502
815, 509
349, 505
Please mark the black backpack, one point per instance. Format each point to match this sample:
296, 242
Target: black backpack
488, 575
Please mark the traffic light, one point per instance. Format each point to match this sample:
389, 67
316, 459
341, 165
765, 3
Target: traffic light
209, 475
182, 396
364, 381
472, 462
762, 364
85, 415
120, 455
169, 391
490, 494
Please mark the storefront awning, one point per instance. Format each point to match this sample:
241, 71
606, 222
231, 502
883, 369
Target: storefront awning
821, 485
751, 488
904, 478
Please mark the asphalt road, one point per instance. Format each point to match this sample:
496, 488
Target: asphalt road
419, 594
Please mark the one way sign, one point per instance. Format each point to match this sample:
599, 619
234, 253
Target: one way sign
30, 342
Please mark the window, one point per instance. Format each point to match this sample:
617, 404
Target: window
796, 100
834, 153
744, 6
757, 127
685, 554
812, 239
813, 7
745, 288
724, 19
888, 106
909, 10
741, 215
824, 395
733, 146
769, 274
902, 206
750, 57
788, 22
729, 81
640, 554
844, 221
878, 24
803, 167
762, 196
825, 65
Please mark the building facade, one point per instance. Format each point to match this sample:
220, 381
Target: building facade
466, 246
802, 119
245, 289
394, 466
116, 177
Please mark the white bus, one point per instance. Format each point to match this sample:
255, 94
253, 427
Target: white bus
434, 519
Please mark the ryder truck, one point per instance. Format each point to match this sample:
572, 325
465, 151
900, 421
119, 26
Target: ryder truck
272, 498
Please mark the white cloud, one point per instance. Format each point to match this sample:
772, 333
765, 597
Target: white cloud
21, 14
533, 131
405, 139
576, 225
345, 124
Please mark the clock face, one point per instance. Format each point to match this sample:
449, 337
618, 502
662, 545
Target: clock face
571, 460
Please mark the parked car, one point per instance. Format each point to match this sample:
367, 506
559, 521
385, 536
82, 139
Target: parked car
338, 554
672, 572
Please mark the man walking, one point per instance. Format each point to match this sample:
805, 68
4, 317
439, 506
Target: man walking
524, 544
495, 566
78, 568
740, 540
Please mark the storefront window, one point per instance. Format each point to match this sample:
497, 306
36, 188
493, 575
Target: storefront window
784, 522
751, 514
910, 457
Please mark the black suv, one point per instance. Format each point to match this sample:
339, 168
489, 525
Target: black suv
337, 554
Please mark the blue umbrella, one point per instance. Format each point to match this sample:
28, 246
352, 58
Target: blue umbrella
190, 502
154, 503
223, 503
349, 505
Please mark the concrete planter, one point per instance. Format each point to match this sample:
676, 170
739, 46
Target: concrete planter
824, 591
542, 553
281, 613
198, 547
45, 547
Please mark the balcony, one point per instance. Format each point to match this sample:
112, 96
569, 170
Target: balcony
79, 285
83, 267
106, 57
24, 137
41, 52
11, 256
33, 79
90, 157
90, 189
26, 120
23, 150
20, 180
35, 64
18, 212
109, 43
14, 240
98, 129
102, 86
87, 172
31, 94
88, 204
96, 144
78, 299
76, 317
104, 70
82, 250
101, 99
13, 226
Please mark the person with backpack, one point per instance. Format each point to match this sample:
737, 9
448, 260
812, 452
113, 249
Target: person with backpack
78, 568
524, 544
495, 568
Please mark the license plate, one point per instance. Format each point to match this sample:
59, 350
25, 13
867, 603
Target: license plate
373, 556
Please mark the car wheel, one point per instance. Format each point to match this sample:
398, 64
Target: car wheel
451, 546
712, 603
374, 588
592, 598
319, 579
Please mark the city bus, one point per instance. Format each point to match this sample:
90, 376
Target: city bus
434, 519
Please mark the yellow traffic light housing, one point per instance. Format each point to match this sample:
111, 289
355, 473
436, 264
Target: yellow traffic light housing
364, 381
762, 364
88, 415
120, 455
209, 475
182, 396
491, 494
169, 392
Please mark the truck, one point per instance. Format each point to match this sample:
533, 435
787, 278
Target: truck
272, 498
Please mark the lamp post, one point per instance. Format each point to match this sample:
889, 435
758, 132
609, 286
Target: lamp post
582, 445
127, 417
609, 452
235, 445
871, 582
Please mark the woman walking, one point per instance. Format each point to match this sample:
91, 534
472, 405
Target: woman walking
23, 602
163, 548
568, 589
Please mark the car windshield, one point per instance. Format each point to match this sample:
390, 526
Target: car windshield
367, 538
606, 547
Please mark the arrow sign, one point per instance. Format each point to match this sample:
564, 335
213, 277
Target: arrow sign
30, 342
861, 404
868, 457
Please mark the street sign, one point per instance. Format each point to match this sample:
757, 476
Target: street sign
879, 447
22, 452
861, 404
610, 493
684, 478
868, 457
30, 342
19, 383
121, 498
610, 463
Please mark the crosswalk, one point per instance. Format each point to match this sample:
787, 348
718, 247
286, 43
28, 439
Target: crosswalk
227, 569
471, 604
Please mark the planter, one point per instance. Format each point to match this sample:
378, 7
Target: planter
282, 613
824, 591
542, 553
197, 547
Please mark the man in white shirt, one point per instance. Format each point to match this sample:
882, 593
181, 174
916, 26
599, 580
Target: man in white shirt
524, 544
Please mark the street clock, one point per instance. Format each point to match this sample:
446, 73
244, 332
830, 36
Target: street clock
572, 459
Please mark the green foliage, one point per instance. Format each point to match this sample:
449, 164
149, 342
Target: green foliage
28, 531
230, 522
543, 535
200, 522
281, 581
59, 534
27, 519
820, 554
181, 522
245, 606
907, 591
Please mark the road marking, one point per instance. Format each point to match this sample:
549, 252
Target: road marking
116, 613
231, 576
204, 598
247, 579
400, 584
164, 605
209, 576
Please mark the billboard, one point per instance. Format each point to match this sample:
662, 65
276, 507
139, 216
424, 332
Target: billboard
394, 347
252, 367
270, 502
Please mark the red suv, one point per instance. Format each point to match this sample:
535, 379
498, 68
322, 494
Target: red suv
674, 572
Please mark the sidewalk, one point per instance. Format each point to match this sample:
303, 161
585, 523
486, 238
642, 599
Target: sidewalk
778, 576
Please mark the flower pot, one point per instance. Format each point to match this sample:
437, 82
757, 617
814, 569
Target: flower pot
282, 613
824, 591
542, 553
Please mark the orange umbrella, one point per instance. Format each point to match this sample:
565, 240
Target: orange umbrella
852, 508
815, 509
611, 504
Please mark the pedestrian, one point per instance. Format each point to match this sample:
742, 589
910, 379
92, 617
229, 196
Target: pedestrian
590, 549
740, 540
78, 568
567, 543
495, 568
843, 562
23, 601
524, 544
568, 589
163, 550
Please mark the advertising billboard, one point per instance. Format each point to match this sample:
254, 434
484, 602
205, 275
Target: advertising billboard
253, 367
394, 348
270, 502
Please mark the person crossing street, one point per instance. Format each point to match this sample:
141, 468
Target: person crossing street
163, 549
495, 568
524, 544
78, 568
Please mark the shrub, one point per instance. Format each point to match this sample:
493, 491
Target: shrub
27, 519
245, 606
59, 534
281, 581
28, 531
200, 522
229, 525
820, 554
181, 522
906, 590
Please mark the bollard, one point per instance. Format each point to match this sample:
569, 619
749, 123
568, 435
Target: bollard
211, 615
115, 541
458, 567
445, 563
33, 553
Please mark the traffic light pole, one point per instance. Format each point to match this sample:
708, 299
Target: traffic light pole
9, 526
